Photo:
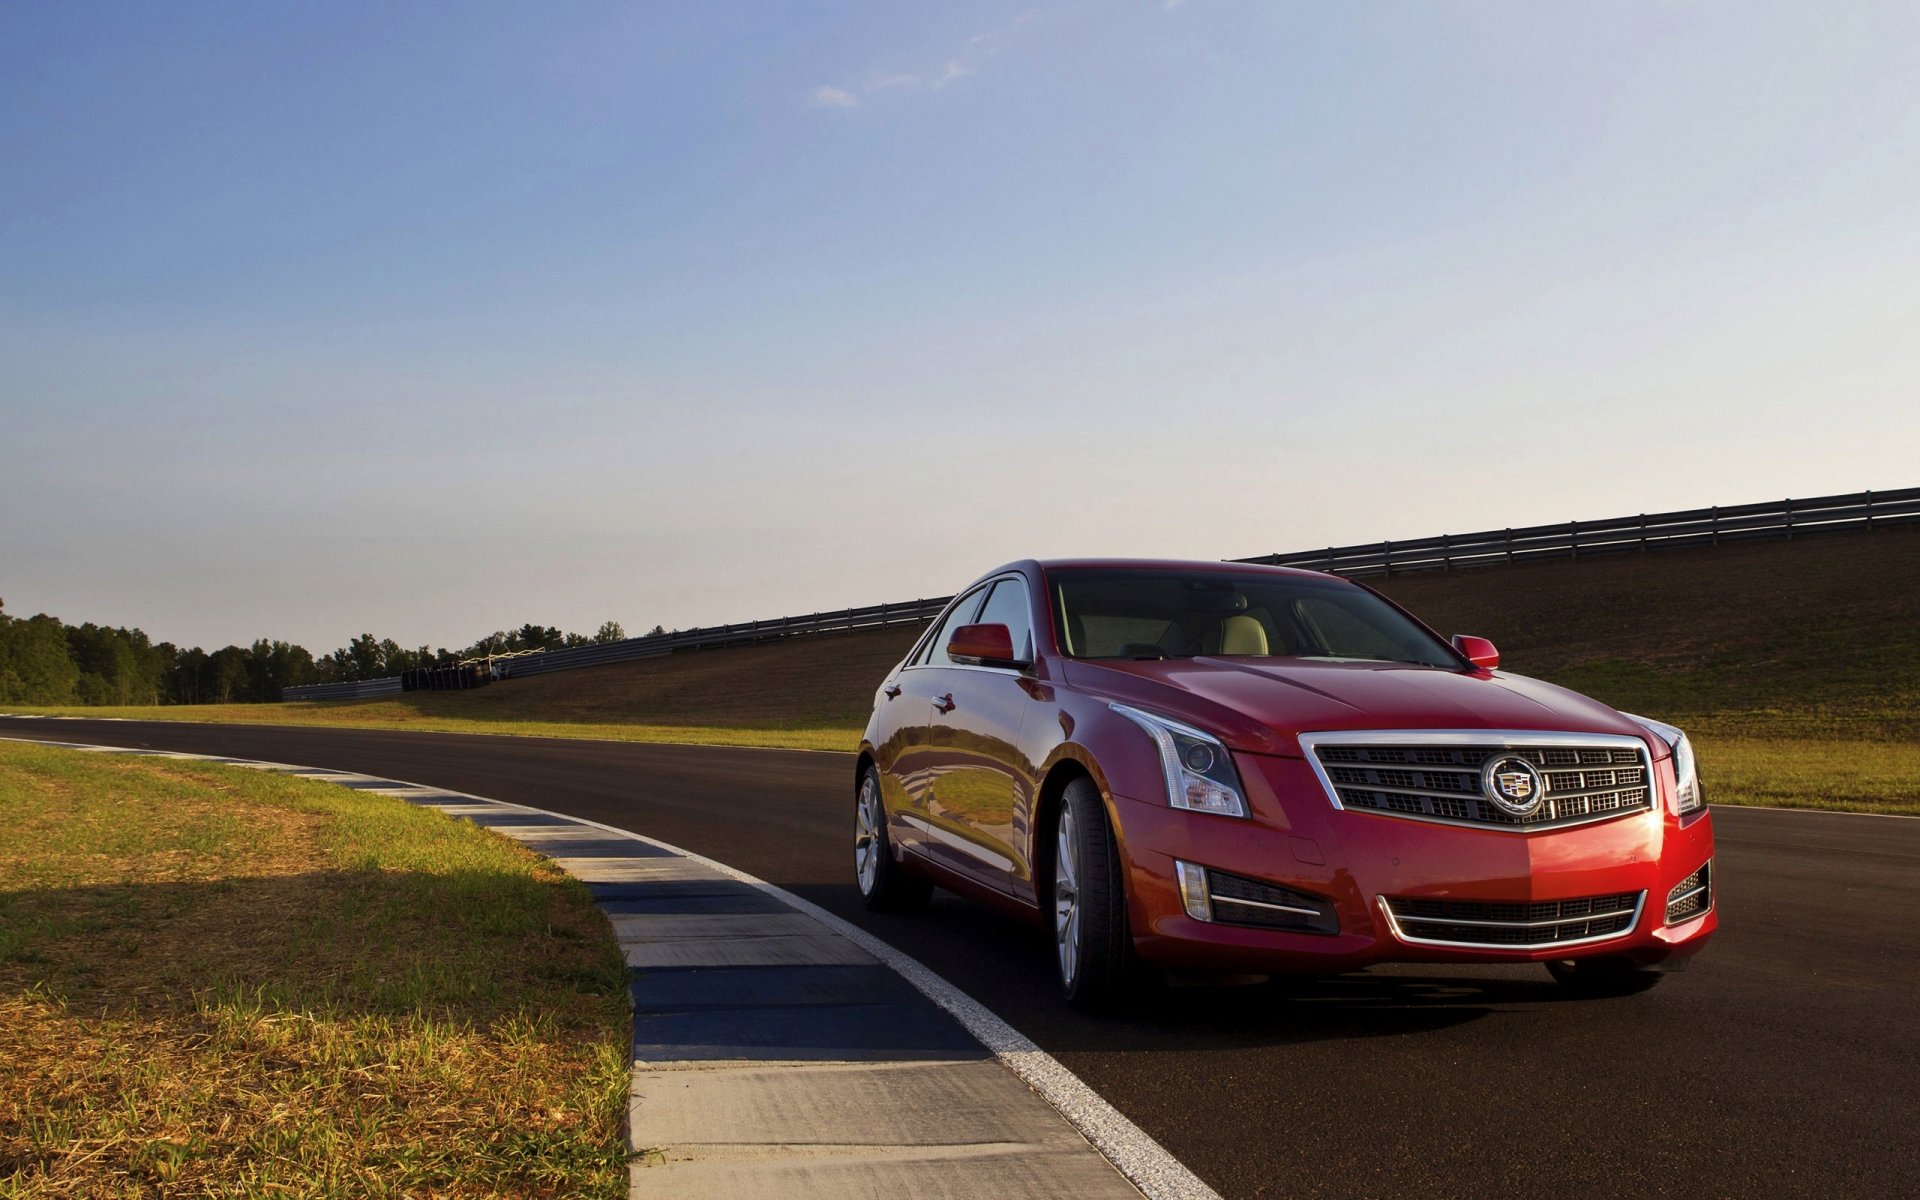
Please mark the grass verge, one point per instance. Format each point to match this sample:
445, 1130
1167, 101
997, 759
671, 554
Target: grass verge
1844, 775
221, 982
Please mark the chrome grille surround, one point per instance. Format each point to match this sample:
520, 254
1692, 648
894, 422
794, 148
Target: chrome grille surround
1501, 925
1434, 775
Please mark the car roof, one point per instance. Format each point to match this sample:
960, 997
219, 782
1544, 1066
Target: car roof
1035, 567
1164, 564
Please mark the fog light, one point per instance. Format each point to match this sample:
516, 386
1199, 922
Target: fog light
1193, 890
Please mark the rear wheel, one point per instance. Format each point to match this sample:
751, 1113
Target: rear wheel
885, 885
1092, 944
1603, 976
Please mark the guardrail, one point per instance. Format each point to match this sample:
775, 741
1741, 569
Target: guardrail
1778, 519
359, 689
1773, 520
848, 620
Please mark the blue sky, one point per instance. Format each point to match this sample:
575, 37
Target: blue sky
431, 319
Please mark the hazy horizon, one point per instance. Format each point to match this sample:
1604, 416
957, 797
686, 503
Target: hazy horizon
315, 323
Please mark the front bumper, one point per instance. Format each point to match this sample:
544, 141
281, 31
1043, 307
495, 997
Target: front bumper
1357, 861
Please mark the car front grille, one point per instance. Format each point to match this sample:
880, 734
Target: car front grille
1238, 900
1691, 896
1514, 924
1436, 776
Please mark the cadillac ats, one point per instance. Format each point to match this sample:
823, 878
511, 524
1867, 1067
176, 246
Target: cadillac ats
1220, 769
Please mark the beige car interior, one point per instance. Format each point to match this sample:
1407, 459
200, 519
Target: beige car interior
1242, 634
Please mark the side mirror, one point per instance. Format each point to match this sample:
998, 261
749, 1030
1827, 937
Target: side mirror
984, 645
1477, 650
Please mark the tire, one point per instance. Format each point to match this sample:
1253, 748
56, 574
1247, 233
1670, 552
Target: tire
1603, 976
1093, 946
885, 885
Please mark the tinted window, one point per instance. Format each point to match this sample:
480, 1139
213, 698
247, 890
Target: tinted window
1007, 605
935, 654
1173, 614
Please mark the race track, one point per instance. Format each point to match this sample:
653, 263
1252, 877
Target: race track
1786, 1062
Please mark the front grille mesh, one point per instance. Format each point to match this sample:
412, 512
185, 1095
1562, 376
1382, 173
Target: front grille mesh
1442, 783
1260, 899
1514, 923
1691, 896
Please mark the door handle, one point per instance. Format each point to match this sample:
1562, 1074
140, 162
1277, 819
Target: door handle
892, 691
945, 703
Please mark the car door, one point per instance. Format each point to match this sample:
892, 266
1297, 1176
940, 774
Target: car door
906, 757
979, 777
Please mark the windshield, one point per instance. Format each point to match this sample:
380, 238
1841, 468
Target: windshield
1175, 614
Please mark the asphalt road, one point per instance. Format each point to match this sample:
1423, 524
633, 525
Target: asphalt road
1786, 1062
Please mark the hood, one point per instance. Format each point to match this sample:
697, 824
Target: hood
1267, 701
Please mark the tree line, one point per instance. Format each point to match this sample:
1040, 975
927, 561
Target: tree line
45, 661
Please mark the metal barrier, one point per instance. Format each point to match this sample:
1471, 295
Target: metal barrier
360, 689
1779, 519
850, 620
1774, 520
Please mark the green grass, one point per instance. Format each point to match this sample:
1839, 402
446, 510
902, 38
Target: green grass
1826, 773
216, 981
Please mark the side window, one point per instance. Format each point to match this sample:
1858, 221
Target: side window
1007, 605
960, 614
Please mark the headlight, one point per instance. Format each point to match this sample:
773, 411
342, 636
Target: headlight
1688, 793
1199, 771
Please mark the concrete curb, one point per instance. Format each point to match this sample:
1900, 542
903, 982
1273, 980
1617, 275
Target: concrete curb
779, 1049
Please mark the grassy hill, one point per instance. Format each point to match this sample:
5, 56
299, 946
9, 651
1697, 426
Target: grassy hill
1796, 664
1820, 635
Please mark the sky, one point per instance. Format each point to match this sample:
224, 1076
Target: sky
428, 320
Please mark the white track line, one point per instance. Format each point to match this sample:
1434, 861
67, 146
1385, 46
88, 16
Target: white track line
1158, 1174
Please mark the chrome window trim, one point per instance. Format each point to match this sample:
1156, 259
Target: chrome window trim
964, 667
1393, 926
1504, 738
978, 593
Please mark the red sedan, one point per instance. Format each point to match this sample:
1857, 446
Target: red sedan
1213, 768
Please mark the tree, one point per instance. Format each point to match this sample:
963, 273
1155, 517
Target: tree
36, 664
274, 666
366, 657
108, 670
188, 678
228, 668
610, 631
536, 637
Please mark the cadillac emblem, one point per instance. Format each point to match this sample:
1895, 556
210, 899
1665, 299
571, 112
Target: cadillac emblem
1513, 784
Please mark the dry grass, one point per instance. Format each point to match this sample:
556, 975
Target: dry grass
217, 982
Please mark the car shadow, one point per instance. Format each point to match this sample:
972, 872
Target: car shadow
1008, 965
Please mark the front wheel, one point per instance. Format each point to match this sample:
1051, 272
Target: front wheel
1603, 976
885, 885
1092, 943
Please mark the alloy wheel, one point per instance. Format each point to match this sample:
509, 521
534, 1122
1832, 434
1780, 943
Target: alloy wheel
866, 836
1066, 896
